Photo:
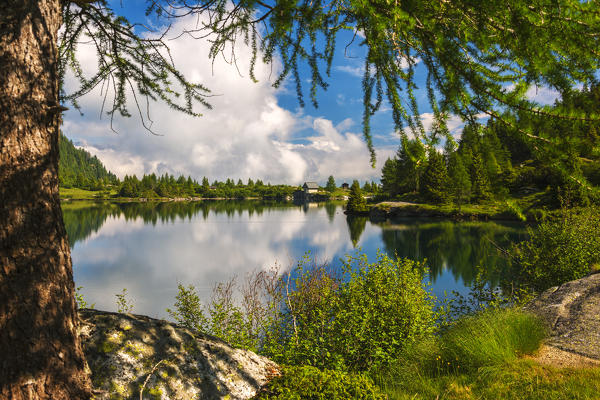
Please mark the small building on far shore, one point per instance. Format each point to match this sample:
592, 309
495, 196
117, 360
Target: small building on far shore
310, 187
345, 186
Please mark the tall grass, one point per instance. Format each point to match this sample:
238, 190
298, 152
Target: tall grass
492, 337
488, 339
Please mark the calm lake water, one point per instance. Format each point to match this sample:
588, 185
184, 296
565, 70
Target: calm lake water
148, 248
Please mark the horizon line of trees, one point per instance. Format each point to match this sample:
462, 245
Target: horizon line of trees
168, 186
79, 169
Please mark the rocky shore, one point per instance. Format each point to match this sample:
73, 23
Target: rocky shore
128, 354
571, 312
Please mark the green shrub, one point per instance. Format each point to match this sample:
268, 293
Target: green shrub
352, 318
241, 323
305, 382
356, 320
188, 309
559, 250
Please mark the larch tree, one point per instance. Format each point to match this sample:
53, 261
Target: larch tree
330, 187
480, 57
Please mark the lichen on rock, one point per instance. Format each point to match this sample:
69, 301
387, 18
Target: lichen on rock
126, 352
571, 312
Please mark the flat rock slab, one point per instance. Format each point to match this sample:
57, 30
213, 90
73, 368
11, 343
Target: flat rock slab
572, 314
128, 352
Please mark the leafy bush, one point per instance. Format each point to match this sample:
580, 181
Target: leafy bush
355, 320
559, 250
188, 309
305, 382
124, 304
240, 323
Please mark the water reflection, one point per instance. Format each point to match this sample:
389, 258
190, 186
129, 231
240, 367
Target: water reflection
356, 226
453, 247
149, 247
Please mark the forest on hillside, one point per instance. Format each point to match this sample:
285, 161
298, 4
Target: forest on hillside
78, 168
496, 161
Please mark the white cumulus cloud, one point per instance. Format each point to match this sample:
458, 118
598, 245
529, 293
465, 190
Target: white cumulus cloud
247, 134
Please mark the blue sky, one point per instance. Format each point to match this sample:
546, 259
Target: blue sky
253, 131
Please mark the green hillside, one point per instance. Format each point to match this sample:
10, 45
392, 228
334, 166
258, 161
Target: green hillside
79, 169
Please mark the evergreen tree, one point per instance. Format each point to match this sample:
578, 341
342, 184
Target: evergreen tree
460, 183
78, 168
435, 185
374, 187
356, 201
410, 164
480, 184
389, 180
330, 187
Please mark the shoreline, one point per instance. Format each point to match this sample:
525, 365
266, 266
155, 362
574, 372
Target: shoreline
390, 210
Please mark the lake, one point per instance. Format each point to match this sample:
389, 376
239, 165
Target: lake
148, 248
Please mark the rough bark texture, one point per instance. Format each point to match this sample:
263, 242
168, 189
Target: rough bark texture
40, 353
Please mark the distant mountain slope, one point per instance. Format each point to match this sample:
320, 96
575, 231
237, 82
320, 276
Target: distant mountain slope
78, 168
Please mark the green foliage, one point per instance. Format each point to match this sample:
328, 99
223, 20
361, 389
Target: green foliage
81, 302
124, 305
356, 201
168, 186
481, 186
330, 187
187, 310
478, 57
410, 165
389, 180
78, 168
242, 325
462, 353
459, 180
559, 250
306, 382
434, 186
355, 320
492, 337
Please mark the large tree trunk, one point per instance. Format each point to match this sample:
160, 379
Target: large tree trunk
40, 353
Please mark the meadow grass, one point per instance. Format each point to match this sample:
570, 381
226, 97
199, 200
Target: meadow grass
480, 357
82, 194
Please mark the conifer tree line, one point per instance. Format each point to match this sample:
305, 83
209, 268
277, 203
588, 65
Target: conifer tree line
80, 169
368, 187
494, 161
168, 186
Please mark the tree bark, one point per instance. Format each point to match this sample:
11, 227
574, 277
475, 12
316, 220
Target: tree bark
40, 353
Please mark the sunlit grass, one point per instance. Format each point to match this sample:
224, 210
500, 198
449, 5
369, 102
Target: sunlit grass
82, 194
481, 358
